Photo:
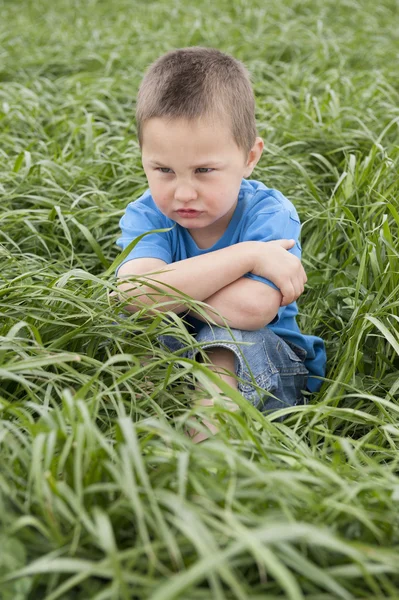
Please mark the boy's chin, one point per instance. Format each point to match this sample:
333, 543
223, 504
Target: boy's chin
191, 223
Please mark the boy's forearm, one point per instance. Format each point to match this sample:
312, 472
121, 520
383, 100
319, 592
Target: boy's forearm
199, 278
244, 304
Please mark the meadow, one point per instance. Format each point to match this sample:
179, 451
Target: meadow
102, 496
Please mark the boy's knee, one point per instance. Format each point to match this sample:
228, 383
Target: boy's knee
220, 355
223, 362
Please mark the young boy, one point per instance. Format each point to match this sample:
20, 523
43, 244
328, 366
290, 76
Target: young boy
235, 242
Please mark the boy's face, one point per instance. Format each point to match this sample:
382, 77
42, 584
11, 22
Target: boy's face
194, 171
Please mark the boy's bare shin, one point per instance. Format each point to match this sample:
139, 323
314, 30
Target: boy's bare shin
221, 360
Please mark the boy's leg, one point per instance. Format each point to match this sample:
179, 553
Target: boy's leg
275, 366
220, 359
271, 373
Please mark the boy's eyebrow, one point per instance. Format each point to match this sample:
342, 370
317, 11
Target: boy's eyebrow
203, 164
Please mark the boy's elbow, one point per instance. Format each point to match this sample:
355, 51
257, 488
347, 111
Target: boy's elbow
259, 320
265, 309
269, 317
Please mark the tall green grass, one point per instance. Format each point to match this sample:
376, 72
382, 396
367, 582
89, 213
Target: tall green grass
101, 494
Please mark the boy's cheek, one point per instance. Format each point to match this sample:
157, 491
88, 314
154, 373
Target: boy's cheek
161, 201
156, 193
159, 198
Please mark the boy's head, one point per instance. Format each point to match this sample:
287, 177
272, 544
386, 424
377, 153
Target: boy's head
194, 83
196, 127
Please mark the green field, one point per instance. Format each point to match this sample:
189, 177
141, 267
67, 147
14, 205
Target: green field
102, 497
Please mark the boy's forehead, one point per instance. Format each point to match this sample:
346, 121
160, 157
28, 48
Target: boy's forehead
199, 124
199, 135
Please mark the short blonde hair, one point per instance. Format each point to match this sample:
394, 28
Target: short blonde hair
197, 82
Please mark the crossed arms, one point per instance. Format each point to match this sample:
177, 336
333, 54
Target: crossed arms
217, 279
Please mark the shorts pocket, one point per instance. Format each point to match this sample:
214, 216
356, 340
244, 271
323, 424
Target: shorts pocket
287, 358
264, 372
293, 374
284, 376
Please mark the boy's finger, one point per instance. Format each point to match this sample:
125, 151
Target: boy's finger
288, 293
299, 285
287, 244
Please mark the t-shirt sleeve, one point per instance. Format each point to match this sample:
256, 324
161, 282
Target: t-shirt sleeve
268, 226
139, 218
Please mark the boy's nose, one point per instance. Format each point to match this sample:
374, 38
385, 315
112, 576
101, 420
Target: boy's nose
185, 192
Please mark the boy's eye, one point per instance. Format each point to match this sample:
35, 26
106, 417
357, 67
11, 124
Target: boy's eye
201, 170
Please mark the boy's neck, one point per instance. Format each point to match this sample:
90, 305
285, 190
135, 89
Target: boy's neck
204, 240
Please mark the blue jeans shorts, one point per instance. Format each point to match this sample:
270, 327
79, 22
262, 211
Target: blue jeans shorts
275, 366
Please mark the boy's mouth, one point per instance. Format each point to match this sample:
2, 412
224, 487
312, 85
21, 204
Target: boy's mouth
188, 212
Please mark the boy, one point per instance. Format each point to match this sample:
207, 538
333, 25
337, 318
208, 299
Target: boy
233, 243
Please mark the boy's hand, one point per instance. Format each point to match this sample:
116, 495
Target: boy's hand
272, 261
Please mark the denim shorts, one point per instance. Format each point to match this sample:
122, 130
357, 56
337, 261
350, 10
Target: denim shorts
275, 366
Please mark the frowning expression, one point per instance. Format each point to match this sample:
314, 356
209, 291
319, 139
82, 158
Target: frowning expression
194, 170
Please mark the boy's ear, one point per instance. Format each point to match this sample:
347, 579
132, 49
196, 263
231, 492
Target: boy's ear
253, 157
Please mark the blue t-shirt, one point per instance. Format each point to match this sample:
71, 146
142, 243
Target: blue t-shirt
262, 214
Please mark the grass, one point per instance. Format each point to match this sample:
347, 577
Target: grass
101, 494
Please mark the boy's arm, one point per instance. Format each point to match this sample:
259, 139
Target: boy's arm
199, 277
249, 303
203, 277
245, 304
